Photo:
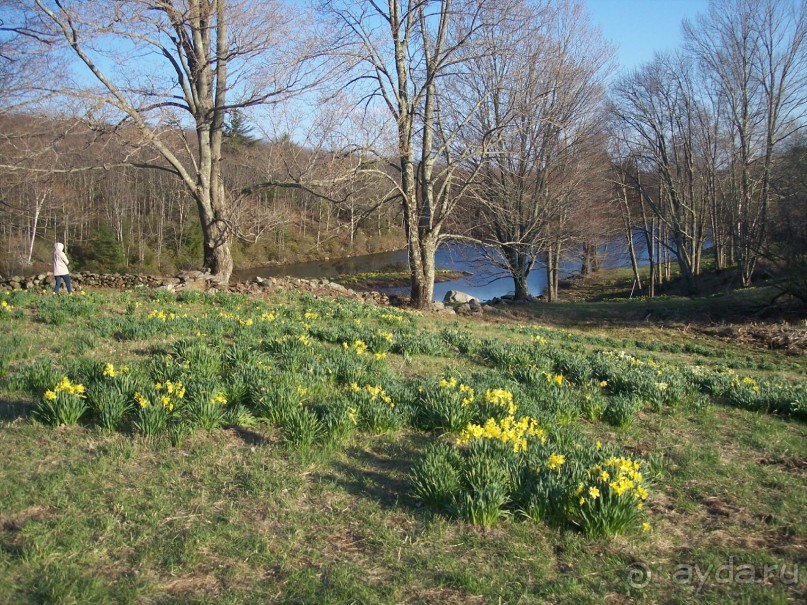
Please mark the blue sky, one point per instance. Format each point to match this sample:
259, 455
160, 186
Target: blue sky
637, 28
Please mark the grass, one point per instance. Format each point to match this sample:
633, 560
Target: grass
236, 515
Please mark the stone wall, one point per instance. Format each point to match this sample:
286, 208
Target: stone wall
191, 280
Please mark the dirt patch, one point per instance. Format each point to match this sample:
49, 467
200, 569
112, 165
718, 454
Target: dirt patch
788, 463
14, 523
194, 585
779, 336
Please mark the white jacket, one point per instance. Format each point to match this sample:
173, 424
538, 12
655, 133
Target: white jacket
60, 261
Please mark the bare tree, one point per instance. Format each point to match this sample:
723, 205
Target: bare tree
787, 248
158, 66
754, 53
539, 90
659, 105
406, 54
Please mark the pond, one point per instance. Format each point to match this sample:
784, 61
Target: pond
482, 278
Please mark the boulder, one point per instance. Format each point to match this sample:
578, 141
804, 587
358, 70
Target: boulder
455, 296
463, 309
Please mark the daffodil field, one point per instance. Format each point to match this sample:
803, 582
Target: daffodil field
521, 425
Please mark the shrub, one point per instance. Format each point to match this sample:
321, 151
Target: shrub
463, 342
593, 405
573, 366
290, 352
197, 357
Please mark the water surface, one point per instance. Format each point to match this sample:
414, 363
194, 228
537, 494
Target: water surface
484, 279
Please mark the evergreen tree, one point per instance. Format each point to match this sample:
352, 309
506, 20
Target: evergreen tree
236, 130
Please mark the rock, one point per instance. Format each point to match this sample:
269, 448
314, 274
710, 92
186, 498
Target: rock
455, 296
474, 305
438, 306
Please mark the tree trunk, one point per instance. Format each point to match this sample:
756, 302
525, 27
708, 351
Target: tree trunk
519, 266
422, 291
552, 267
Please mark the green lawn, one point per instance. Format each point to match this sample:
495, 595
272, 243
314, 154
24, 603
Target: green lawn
303, 486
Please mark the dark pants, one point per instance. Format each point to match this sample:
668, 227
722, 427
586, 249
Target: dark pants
62, 278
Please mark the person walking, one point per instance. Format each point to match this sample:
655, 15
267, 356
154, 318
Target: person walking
60, 271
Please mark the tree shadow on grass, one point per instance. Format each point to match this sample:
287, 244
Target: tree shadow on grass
11, 410
379, 470
249, 436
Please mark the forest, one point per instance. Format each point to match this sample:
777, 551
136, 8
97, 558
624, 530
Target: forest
153, 136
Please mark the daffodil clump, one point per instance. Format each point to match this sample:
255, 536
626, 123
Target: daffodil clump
374, 409
771, 396
207, 409
63, 404
169, 392
391, 317
66, 387
508, 430
293, 351
381, 341
447, 405
161, 315
110, 395
646, 379
157, 405
501, 398
110, 371
611, 497
357, 347
5, 308
165, 394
